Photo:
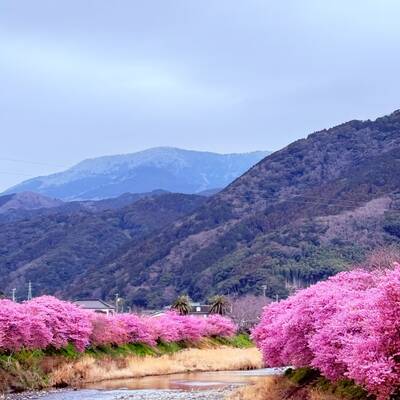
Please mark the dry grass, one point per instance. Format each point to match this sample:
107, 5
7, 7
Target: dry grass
267, 388
89, 369
278, 388
318, 395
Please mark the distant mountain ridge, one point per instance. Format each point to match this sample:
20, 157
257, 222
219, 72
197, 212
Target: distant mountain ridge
161, 168
26, 201
28, 205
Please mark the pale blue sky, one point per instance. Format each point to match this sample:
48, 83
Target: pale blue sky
82, 78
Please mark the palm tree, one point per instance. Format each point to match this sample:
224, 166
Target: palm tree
219, 305
182, 305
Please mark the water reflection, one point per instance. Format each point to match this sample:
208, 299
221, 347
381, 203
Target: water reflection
187, 381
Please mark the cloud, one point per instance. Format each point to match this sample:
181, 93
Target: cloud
128, 79
101, 77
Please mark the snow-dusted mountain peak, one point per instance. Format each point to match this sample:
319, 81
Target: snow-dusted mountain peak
165, 168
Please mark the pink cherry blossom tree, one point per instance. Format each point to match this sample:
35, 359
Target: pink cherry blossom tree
347, 327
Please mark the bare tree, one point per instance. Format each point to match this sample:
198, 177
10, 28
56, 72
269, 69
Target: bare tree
246, 311
382, 258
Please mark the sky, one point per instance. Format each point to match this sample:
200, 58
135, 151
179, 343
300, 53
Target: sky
85, 78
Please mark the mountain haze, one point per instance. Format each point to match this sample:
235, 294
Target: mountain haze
165, 168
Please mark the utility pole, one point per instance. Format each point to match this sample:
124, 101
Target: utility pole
264, 288
116, 302
13, 294
30, 290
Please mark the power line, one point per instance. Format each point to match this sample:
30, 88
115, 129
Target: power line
299, 197
33, 162
15, 174
27, 162
337, 204
307, 201
342, 201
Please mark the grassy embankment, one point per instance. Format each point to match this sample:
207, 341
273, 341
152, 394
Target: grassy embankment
42, 369
300, 384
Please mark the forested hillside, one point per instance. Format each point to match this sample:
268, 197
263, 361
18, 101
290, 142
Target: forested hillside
298, 216
52, 249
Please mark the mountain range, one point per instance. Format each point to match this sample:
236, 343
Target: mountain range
26, 201
300, 215
161, 168
26, 205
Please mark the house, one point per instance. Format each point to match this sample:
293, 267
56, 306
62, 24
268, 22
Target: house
96, 305
200, 310
197, 309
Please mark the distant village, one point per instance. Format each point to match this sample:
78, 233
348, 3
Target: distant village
245, 311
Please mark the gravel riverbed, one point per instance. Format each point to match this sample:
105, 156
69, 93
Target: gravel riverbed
215, 394
29, 395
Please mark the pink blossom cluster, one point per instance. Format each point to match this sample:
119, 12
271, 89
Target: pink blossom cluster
170, 327
46, 322
43, 322
347, 327
216, 325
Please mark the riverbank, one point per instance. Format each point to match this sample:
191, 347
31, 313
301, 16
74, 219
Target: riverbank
90, 369
300, 384
36, 370
193, 385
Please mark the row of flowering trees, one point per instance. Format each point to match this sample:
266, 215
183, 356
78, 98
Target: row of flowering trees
347, 327
46, 322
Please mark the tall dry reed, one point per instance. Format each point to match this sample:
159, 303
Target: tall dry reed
89, 369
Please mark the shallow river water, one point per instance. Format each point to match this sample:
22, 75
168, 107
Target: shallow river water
190, 386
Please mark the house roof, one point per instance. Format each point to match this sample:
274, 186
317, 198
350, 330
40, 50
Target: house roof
94, 304
196, 308
200, 308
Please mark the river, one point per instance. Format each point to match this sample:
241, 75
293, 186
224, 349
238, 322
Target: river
188, 386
